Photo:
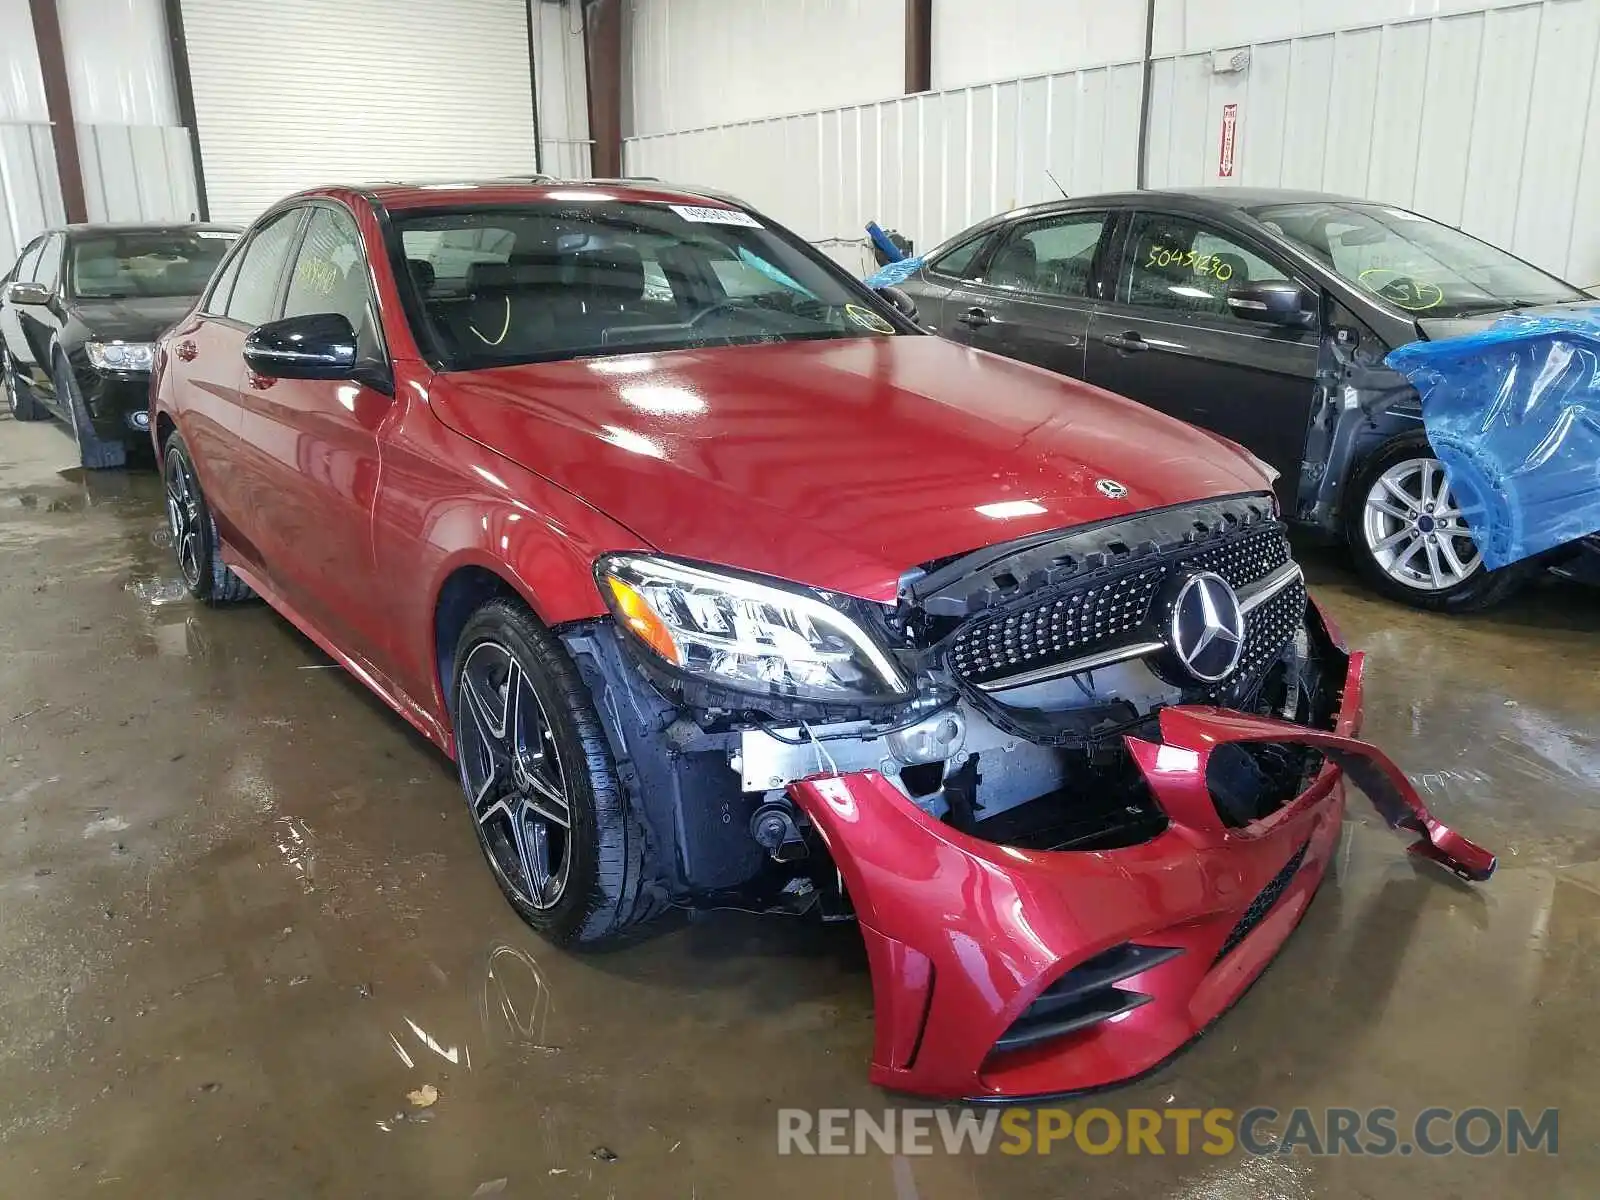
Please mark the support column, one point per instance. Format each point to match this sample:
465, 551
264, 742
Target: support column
602, 52
919, 46
58, 102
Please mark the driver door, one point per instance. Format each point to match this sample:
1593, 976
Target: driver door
1168, 339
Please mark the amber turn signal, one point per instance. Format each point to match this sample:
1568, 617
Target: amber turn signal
646, 625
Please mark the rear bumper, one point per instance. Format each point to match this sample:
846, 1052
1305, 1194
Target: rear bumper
963, 935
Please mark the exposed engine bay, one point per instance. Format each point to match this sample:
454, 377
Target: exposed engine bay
1030, 664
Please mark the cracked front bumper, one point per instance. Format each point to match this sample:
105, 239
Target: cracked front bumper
970, 942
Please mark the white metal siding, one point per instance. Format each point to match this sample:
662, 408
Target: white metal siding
708, 62
1487, 119
295, 93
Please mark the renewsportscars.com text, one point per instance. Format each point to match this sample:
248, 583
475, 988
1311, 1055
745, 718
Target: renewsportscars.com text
1178, 1131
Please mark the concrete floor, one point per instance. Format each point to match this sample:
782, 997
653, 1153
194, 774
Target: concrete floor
242, 915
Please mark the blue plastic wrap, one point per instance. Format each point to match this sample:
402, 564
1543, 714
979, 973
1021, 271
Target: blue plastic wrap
1513, 412
896, 272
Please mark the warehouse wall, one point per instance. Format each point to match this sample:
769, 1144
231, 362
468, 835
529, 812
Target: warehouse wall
1480, 117
135, 156
560, 77
707, 62
27, 159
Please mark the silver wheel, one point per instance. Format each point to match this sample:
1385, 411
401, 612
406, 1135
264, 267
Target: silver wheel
513, 776
1414, 528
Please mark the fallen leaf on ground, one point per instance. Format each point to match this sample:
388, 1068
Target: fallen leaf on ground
424, 1097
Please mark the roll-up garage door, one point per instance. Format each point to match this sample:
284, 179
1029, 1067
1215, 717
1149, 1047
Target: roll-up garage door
294, 93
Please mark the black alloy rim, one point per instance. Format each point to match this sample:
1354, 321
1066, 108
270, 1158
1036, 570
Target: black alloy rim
513, 777
183, 517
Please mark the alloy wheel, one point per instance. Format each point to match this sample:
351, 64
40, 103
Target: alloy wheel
1415, 530
183, 518
512, 774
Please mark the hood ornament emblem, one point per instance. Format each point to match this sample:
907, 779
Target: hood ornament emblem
1207, 631
1111, 489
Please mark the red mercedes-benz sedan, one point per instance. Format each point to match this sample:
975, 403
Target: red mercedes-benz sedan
715, 575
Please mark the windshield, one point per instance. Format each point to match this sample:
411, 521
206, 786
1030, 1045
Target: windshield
548, 281
1415, 264
146, 262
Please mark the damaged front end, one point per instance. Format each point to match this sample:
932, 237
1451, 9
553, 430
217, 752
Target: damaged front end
1099, 786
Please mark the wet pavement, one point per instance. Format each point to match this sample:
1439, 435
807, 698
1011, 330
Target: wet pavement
248, 946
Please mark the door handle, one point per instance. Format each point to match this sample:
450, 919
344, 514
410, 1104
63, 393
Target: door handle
975, 318
1130, 342
187, 350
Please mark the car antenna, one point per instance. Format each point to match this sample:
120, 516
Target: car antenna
1057, 182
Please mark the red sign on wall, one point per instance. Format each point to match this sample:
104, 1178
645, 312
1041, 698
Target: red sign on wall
1230, 124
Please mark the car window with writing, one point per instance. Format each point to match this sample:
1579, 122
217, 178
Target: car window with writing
1177, 264
330, 274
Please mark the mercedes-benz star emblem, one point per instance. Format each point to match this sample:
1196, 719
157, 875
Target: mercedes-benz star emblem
1207, 627
1111, 489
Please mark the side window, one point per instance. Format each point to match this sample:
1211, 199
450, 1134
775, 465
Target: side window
330, 274
960, 262
255, 287
1050, 258
222, 286
28, 265
1178, 264
49, 273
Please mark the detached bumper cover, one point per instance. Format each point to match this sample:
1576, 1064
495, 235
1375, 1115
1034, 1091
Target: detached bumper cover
1093, 967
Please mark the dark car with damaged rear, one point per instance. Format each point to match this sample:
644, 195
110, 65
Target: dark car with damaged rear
723, 584
80, 311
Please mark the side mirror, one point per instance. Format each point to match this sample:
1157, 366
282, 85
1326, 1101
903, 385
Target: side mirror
315, 346
1272, 302
901, 299
23, 292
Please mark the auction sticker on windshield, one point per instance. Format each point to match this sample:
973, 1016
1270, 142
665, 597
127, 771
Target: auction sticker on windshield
715, 216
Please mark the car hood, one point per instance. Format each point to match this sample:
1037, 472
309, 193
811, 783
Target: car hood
134, 319
1436, 329
841, 463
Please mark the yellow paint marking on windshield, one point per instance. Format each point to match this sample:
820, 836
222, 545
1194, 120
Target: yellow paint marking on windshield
1413, 295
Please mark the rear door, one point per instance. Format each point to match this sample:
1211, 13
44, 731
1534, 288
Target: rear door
10, 314
931, 286
313, 447
208, 370
40, 323
1035, 296
1167, 338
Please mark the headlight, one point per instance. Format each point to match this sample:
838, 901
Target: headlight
121, 356
770, 639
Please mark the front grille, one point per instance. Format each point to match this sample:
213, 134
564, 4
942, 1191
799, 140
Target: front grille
1262, 904
1109, 606
1058, 629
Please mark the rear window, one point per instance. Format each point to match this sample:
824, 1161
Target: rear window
548, 280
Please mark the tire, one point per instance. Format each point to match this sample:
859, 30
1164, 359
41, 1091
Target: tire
1410, 542
95, 454
605, 885
24, 405
194, 533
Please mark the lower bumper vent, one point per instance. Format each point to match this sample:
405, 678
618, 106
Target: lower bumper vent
1262, 904
1084, 996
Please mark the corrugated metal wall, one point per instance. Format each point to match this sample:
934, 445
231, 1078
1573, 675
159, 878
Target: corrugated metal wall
703, 62
929, 164
1483, 118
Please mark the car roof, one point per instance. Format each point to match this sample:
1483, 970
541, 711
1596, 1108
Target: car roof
91, 227
529, 189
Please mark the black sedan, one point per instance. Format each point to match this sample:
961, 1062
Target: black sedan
79, 313
1265, 316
